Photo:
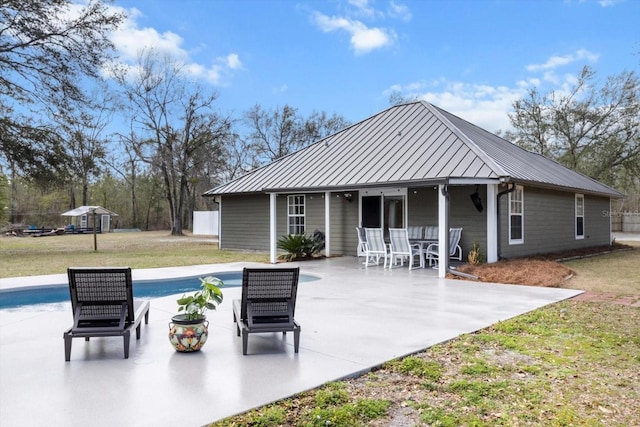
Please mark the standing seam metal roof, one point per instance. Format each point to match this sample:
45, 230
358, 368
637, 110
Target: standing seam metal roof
407, 144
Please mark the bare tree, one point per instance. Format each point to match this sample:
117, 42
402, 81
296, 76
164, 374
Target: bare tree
48, 49
593, 130
82, 126
274, 133
281, 131
174, 126
127, 166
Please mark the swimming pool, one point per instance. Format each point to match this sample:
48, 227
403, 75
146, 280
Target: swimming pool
14, 298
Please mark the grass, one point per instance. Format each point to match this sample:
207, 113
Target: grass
568, 364
616, 272
30, 256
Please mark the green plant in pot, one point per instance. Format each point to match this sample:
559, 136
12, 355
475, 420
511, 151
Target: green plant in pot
189, 330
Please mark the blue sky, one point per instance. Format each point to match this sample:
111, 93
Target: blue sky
470, 57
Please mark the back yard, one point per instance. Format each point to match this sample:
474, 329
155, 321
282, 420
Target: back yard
575, 363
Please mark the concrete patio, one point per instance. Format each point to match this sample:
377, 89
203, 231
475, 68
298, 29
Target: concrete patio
353, 319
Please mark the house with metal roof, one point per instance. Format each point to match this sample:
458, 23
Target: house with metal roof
416, 164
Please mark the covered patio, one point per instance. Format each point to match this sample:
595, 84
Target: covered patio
346, 330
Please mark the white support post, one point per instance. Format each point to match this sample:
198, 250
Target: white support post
492, 222
272, 227
220, 223
327, 223
443, 231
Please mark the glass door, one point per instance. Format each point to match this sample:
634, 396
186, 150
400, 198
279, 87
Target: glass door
384, 208
371, 210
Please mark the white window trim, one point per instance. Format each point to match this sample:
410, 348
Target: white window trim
290, 215
521, 240
575, 222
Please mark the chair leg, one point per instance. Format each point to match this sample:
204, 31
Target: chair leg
296, 340
67, 347
245, 341
138, 331
127, 338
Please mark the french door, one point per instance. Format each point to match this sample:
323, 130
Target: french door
383, 208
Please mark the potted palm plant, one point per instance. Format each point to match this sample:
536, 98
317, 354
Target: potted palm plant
188, 331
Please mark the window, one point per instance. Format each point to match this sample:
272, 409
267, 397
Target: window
516, 216
295, 214
579, 216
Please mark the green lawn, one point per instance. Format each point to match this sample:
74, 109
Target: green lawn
29, 256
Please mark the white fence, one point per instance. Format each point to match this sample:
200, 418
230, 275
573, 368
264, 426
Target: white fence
205, 223
627, 222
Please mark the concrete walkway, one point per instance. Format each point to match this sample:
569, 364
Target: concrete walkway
353, 319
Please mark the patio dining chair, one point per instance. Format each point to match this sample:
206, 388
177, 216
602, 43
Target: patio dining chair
268, 303
455, 251
415, 232
376, 247
103, 306
402, 249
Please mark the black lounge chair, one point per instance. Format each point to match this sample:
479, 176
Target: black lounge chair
268, 303
103, 306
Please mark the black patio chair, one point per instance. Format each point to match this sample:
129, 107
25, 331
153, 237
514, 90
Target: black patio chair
103, 306
268, 303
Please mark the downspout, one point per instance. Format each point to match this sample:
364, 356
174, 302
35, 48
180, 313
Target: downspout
500, 194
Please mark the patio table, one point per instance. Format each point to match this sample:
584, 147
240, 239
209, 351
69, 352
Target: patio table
424, 244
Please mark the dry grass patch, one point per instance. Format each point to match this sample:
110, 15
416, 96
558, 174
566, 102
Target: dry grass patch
613, 273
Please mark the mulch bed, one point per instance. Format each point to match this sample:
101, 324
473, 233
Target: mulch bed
542, 270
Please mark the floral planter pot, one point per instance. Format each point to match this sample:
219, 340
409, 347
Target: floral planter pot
188, 335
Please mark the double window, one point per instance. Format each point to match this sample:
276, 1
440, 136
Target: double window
516, 216
579, 216
295, 214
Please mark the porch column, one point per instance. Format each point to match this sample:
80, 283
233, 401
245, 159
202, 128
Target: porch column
327, 223
492, 223
443, 231
272, 227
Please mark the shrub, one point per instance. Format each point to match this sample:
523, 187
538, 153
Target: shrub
299, 246
475, 256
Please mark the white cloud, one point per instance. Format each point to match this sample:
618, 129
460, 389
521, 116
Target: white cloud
483, 105
363, 39
233, 61
488, 106
560, 61
399, 11
130, 40
362, 7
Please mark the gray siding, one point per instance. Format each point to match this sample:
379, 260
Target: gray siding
549, 223
423, 210
463, 214
344, 220
244, 222
549, 220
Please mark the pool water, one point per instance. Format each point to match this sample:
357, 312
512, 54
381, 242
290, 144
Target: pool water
141, 289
